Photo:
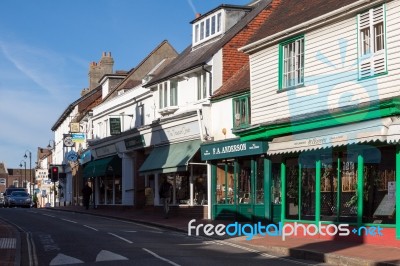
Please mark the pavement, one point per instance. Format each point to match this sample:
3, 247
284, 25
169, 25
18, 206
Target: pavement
329, 252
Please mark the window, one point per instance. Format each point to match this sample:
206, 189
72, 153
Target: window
173, 93
140, 114
207, 28
371, 25
202, 88
168, 94
241, 111
291, 63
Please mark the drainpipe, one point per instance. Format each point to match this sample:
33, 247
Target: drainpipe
199, 118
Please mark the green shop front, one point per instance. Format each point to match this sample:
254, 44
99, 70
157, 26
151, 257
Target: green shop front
240, 187
338, 170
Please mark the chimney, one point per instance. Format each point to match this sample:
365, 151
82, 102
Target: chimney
98, 70
198, 15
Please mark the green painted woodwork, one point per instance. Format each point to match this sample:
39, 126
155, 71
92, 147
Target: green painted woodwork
360, 186
283, 189
372, 111
339, 180
397, 191
213, 189
267, 189
318, 165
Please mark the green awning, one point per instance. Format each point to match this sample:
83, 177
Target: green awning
102, 167
170, 158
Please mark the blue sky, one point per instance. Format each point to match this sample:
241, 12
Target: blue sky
46, 47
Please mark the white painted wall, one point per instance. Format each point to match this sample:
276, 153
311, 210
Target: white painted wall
221, 117
331, 74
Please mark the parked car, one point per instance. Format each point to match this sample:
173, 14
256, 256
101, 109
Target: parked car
1, 199
19, 199
8, 192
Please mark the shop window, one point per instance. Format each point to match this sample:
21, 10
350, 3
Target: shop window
292, 189
329, 189
182, 189
244, 183
200, 184
307, 195
379, 187
276, 184
348, 195
225, 184
260, 181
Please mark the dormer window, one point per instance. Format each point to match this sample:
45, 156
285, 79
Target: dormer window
207, 28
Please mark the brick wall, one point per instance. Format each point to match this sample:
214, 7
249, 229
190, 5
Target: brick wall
232, 59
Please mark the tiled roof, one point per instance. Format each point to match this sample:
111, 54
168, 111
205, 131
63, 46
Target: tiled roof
239, 82
129, 82
290, 13
191, 59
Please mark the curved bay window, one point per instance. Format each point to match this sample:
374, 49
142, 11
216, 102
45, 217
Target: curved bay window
345, 176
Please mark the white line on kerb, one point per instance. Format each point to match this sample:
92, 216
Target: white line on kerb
126, 240
161, 258
87, 226
69, 221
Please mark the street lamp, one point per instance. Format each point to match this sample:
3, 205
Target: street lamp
20, 165
30, 168
50, 147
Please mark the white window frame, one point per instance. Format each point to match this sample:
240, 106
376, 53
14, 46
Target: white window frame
168, 95
208, 27
292, 64
202, 85
372, 43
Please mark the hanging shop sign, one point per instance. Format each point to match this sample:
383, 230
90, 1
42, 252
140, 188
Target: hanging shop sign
115, 125
74, 127
68, 141
231, 149
72, 156
78, 137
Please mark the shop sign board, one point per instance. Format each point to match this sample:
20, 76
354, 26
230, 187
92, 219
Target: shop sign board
134, 142
115, 125
78, 137
231, 149
106, 150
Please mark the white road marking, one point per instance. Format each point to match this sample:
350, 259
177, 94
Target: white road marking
52, 216
8, 243
117, 236
131, 231
62, 259
161, 258
105, 255
69, 221
261, 253
87, 226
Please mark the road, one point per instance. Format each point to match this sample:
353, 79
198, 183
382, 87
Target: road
64, 238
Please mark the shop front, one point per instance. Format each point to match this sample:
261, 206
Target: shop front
345, 174
180, 164
105, 177
240, 183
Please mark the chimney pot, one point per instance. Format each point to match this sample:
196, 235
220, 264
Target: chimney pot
198, 15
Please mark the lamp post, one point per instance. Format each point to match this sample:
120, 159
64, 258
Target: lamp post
30, 169
20, 165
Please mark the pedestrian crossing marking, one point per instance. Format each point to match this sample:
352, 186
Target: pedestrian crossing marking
8, 243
